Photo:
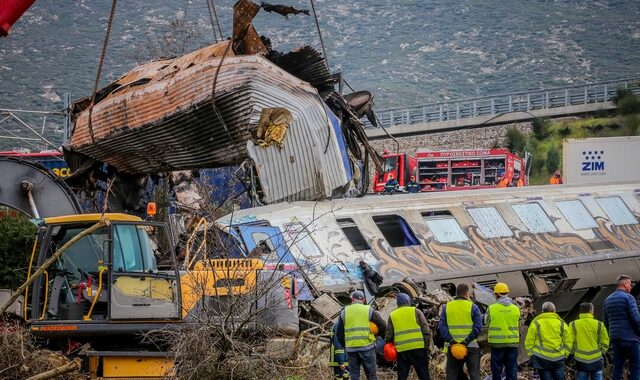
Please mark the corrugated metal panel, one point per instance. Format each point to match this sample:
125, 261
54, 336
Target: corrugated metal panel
301, 169
174, 119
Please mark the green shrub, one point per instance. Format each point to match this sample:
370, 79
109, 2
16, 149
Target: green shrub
631, 122
516, 140
540, 128
15, 250
553, 159
627, 102
564, 132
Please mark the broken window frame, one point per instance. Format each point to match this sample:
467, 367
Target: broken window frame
492, 225
402, 237
541, 216
614, 215
359, 243
435, 219
576, 221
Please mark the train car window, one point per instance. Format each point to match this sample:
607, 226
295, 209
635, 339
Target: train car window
534, 218
353, 234
445, 228
618, 212
576, 214
396, 230
300, 237
490, 222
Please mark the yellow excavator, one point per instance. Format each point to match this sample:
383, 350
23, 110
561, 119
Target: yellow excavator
95, 281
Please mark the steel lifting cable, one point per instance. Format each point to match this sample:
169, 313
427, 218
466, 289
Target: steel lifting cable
315, 16
215, 23
100, 65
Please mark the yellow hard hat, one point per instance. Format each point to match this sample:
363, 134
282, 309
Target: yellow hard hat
373, 328
459, 351
501, 288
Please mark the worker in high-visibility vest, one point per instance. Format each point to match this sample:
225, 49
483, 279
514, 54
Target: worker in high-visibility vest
503, 323
556, 178
460, 324
356, 334
503, 182
549, 341
337, 357
409, 331
591, 340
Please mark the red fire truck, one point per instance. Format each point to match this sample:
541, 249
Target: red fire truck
454, 169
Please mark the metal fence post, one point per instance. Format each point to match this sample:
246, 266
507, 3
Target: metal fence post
475, 108
67, 116
546, 100
393, 122
528, 102
566, 98
510, 104
424, 114
457, 111
493, 106
440, 112
585, 95
606, 93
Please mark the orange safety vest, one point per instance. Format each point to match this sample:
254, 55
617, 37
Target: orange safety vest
555, 180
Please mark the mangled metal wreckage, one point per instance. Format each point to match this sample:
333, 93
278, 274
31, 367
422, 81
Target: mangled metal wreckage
219, 106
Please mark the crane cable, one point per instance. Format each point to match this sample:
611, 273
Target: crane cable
215, 23
315, 16
100, 65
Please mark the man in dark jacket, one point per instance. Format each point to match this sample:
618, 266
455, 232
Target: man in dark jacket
409, 331
622, 320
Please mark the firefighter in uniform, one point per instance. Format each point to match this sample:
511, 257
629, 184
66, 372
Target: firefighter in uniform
460, 324
409, 331
503, 322
548, 342
355, 330
591, 340
337, 357
391, 186
412, 185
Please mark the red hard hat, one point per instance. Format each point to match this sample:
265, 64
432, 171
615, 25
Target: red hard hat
390, 352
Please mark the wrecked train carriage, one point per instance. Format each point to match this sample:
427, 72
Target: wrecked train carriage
205, 111
562, 244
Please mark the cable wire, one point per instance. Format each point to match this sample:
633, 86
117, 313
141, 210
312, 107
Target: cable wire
315, 16
100, 65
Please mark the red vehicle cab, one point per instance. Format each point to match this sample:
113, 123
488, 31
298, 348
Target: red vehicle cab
400, 165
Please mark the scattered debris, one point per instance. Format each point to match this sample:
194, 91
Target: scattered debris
284, 10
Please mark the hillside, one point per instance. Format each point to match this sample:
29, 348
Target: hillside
545, 140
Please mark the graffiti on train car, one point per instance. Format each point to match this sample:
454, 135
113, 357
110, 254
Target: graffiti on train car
476, 252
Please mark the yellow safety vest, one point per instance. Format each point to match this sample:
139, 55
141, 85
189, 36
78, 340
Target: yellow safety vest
407, 334
550, 339
504, 322
591, 339
459, 320
357, 332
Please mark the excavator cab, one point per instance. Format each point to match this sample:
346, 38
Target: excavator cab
106, 282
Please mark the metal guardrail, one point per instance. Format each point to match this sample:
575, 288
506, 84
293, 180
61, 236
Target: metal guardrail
599, 92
